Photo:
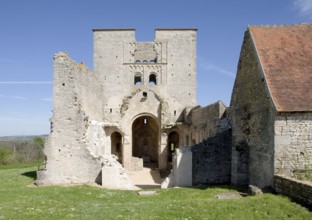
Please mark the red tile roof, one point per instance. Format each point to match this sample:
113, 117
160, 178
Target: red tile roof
285, 53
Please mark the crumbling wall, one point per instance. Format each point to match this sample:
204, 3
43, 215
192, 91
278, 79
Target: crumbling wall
293, 143
205, 122
114, 175
69, 160
210, 133
181, 174
252, 122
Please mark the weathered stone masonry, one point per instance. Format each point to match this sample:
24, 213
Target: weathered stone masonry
252, 123
140, 105
293, 148
271, 105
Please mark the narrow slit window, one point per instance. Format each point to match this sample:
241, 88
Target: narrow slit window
145, 121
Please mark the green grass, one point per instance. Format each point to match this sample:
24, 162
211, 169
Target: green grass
20, 200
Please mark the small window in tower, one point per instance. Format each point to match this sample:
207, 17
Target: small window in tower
138, 79
145, 94
145, 121
175, 112
110, 110
152, 79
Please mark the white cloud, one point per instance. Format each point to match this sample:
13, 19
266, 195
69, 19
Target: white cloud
304, 7
19, 97
13, 97
218, 69
26, 82
47, 99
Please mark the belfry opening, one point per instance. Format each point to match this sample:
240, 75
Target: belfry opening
145, 140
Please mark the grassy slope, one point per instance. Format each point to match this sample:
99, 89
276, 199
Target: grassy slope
18, 200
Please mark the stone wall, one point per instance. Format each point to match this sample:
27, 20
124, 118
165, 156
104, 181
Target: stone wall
212, 160
205, 122
293, 148
171, 58
298, 190
179, 47
70, 156
252, 122
210, 132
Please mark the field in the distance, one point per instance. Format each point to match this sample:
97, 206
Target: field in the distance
20, 200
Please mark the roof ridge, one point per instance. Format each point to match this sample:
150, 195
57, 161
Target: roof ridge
279, 25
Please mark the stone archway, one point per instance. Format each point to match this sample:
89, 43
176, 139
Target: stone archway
116, 145
145, 139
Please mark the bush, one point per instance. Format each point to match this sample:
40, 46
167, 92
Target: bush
22, 151
6, 155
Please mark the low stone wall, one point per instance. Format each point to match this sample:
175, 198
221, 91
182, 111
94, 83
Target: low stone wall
300, 191
181, 174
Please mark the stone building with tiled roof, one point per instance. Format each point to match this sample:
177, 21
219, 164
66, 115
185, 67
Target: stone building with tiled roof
139, 104
271, 105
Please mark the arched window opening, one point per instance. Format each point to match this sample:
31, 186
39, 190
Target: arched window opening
152, 79
138, 79
152, 61
145, 121
146, 140
138, 61
173, 143
116, 145
145, 61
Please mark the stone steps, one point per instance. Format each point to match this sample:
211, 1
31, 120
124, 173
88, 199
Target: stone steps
147, 178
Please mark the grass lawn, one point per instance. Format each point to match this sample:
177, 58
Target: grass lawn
20, 200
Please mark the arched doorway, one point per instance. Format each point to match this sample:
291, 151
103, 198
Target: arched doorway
145, 140
116, 145
173, 143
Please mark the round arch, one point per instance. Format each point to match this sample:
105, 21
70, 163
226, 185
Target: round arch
173, 143
146, 138
116, 145
152, 79
138, 79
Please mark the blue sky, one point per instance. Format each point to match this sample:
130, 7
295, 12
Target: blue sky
33, 30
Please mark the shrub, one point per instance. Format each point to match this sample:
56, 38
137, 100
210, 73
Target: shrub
6, 155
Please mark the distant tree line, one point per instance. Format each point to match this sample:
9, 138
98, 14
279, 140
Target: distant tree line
21, 151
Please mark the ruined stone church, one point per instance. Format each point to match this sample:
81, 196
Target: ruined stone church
139, 104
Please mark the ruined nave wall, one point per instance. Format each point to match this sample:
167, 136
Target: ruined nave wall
206, 122
210, 132
70, 152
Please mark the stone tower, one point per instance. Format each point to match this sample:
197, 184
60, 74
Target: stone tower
133, 105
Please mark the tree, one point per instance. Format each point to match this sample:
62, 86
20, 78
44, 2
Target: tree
39, 141
5, 155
